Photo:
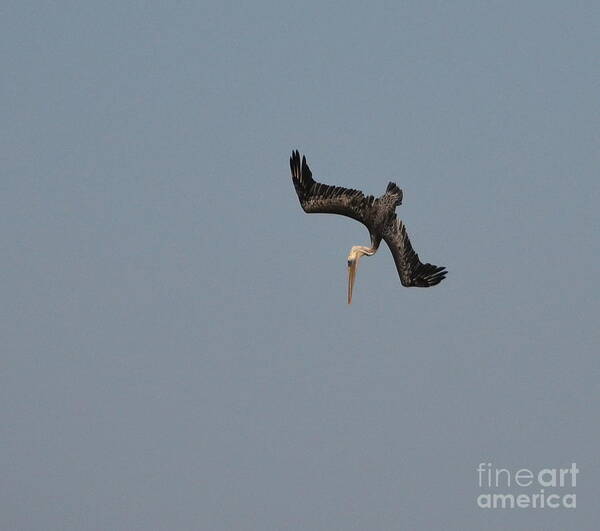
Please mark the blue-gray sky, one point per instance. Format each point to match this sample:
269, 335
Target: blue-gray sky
177, 349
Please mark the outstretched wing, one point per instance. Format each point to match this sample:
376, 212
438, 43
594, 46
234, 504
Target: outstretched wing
412, 272
321, 198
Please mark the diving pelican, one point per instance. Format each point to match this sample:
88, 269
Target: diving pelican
377, 214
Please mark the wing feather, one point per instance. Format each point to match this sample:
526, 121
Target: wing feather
325, 199
412, 272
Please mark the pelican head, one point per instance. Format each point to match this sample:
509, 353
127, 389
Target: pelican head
355, 253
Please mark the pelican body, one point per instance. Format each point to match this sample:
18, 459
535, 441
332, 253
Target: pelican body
377, 214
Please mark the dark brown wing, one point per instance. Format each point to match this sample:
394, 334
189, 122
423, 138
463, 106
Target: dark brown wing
322, 198
412, 272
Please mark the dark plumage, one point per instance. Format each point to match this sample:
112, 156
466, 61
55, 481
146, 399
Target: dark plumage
377, 214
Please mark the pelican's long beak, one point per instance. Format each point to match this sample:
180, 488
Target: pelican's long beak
352, 264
